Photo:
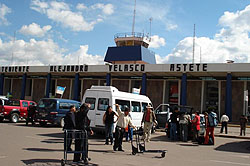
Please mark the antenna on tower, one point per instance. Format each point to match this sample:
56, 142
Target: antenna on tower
133, 26
193, 44
150, 20
200, 54
12, 55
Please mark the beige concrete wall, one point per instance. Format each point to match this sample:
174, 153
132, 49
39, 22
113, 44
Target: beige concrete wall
237, 100
155, 91
194, 94
16, 88
121, 85
38, 89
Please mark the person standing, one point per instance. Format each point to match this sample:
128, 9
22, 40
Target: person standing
69, 124
224, 120
243, 124
211, 122
184, 121
173, 124
30, 115
196, 126
108, 120
148, 119
81, 142
123, 121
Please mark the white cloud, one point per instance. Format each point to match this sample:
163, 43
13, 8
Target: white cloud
157, 42
34, 30
106, 9
81, 6
43, 53
4, 10
231, 42
60, 12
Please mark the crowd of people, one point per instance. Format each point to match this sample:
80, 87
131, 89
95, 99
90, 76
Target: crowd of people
183, 126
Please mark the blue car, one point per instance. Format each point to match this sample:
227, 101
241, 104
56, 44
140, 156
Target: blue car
53, 110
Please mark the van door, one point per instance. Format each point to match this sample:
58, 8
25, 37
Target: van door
92, 111
136, 113
103, 103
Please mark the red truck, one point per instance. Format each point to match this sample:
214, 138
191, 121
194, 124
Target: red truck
13, 109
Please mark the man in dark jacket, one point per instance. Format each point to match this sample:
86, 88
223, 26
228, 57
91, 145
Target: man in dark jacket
69, 124
81, 142
30, 115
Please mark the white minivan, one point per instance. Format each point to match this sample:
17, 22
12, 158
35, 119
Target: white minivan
100, 97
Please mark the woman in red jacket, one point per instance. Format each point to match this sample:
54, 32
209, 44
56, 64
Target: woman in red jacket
196, 126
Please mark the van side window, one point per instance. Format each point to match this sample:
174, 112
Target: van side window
123, 104
136, 107
103, 104
144, 106
64, 105
91, 101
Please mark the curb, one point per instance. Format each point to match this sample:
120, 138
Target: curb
232, 136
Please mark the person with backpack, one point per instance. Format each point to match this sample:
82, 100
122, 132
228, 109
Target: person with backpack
211, 122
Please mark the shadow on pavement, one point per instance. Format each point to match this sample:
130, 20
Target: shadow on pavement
160, 138
239, 147
102, 151
188, 144
43, 150
36, 161
53, 141
54, 135
44, 162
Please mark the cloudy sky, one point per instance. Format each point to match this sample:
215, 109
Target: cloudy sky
43, 32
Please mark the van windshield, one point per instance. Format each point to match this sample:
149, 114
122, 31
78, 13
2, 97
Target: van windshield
51, 104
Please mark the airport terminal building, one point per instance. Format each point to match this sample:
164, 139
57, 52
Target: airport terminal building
131, 65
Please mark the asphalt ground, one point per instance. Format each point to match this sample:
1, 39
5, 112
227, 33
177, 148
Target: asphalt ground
43, 146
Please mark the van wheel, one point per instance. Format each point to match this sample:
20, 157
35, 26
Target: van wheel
1, 119
14, 118
42, 124
62, 122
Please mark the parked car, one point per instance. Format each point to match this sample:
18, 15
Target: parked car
53, 110
14, 109
162, 113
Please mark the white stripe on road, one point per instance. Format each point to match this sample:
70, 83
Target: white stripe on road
227, 162
33, 137
241, 156
2, 157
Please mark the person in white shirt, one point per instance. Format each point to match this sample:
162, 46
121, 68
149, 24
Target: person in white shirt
224, 120
123, 121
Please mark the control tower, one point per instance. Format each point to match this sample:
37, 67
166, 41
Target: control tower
131, 48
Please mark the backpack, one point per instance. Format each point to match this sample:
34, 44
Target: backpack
212, 119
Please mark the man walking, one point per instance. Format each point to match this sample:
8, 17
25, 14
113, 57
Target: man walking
81, 141
243, 124
69, 124
224, 120
123, 121
148, 119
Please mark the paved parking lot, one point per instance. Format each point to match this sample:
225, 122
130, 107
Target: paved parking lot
40, 146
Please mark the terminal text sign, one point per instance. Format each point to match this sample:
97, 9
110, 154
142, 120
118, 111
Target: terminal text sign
188, 67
